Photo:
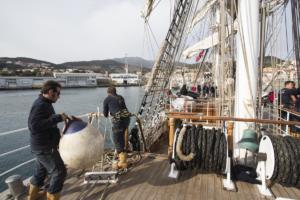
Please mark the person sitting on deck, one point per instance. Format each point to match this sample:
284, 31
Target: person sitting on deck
114, 105
44, 139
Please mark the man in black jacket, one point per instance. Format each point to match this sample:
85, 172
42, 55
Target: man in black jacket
114, 105
44, 140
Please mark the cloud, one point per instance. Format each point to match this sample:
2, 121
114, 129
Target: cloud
69, 30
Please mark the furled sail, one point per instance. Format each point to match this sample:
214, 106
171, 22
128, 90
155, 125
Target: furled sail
202, 12
147, 9
273, 5
207, 43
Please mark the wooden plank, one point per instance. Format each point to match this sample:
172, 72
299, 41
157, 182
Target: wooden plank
280, 190
164, 182
149, 181
190, 185
140, 179
128, 183
210, 186
196, 185
173, 190
178, 192
153, 184
255, 192
243, 191
219, 189
291, 193
296, 192
234, 195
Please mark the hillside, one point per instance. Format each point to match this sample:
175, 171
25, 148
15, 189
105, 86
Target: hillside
100, 66
136, 61
115, 65
22, 62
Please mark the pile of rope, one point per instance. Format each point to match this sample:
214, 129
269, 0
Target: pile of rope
202, 149
287, 160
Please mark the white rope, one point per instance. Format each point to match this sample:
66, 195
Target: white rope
26, 128
14, 131
13, 151
16, 167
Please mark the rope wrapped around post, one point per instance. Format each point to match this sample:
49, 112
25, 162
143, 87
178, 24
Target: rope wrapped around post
179, 152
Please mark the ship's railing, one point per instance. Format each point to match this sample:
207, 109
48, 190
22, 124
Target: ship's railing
21, 148
289, 115
274, 112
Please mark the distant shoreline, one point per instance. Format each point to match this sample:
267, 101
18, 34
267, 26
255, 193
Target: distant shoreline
75, 87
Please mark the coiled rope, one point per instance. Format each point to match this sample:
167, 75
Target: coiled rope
287, 160
199, 148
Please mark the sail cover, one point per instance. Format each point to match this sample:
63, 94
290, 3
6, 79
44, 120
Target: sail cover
202, 12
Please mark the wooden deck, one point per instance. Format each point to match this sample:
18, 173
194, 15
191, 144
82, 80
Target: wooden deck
149, 180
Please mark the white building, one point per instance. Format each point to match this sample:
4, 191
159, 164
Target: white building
77, 79
126, 78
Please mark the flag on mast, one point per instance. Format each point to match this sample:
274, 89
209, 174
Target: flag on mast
200, 55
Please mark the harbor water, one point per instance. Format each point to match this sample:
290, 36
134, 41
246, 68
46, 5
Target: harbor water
15, 107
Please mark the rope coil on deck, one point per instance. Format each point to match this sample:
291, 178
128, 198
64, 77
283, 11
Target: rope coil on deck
199, 148
179, 152
287, 160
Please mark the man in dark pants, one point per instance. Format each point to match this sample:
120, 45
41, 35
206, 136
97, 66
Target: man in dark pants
114, 105
44, 140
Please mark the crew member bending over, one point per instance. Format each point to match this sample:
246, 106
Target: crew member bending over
114, 105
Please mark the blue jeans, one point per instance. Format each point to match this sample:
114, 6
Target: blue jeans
118, 130
49, 162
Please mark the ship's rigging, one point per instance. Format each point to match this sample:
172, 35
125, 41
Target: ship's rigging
222, 36
151, 110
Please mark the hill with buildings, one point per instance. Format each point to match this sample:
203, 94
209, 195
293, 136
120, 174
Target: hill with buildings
33, 67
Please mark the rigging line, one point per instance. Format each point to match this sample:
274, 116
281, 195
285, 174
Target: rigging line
150, 46
179, 50
13, 151
154, 6
276, 31
273, 32
186, 34
170, 13
26, 128
16, 167
151, 43
286, 34
154, 38
194, 12
148, 41
13, 131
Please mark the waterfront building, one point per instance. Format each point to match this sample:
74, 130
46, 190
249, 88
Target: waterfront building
126, 79
68, 80
78, 79
15, 82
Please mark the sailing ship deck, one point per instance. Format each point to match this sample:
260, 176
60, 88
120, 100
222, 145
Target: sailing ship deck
149, 180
